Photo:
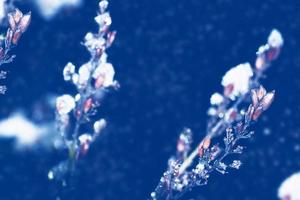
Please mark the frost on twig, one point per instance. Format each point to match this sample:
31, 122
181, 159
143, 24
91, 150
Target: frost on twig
18, 23
91, 80
230, 121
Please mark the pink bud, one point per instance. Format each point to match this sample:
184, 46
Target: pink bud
180, 146
87, 105
272, 54
257, 112
260, 62
206, 143
24, 23
99, 82
8, 37
267, 100
110, 38
228, 90
17, 15
11, 21
16, 37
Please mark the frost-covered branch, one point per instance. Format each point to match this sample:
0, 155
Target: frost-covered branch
228, 115
93, 79
18, 24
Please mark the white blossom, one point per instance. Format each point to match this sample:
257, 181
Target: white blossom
99, 125
106, 72
50, 175
77, 97
216, 99
64, 104
103, 58
89, 36
275, 39
212, 111
92, 42
239, 78
85, 138
69, 70
103, 5
75, 78
84, 73
289, 189
103, 19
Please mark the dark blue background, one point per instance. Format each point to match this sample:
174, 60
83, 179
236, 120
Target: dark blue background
169, 57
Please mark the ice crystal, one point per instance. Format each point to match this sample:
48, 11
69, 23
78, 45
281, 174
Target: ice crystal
236, 164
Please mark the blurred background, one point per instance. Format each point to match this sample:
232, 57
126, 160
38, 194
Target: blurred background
169, 57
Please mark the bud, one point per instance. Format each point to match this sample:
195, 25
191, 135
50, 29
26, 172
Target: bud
16, 36
200, 150
231, 115
99, 82
8, 38
110, 38
11, 21
1, 52
261, 92
85, 141
249, 114
24, 22
180, 146
17, 15
88, 105
206, 142
260, 62
228, 89
257, 112
267, 100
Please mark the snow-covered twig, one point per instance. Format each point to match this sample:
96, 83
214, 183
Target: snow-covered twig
228, 114
18, 24
92, 81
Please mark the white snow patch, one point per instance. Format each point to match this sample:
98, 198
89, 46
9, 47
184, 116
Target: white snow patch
2, 10
25, 132
49, 8
290, 188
